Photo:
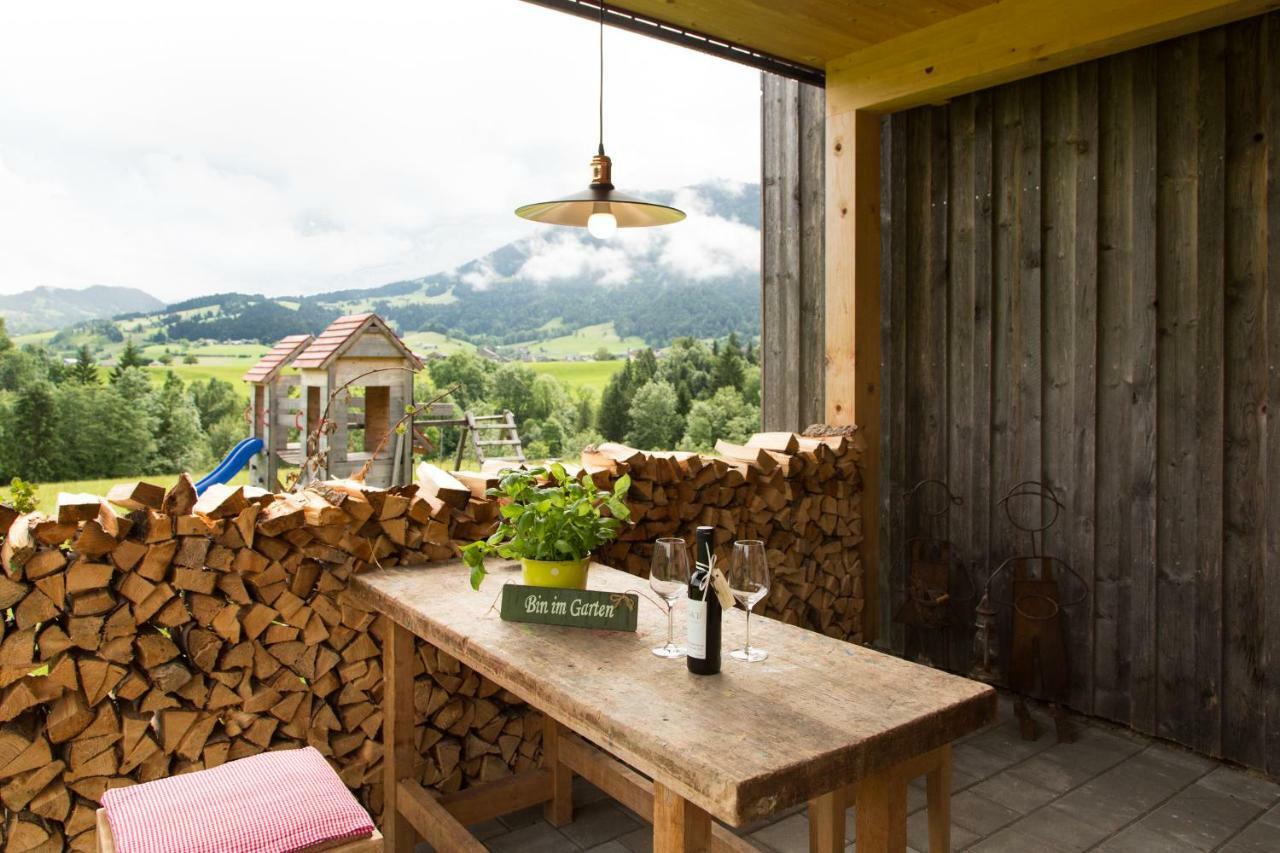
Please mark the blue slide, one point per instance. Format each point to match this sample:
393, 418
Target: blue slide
231, 465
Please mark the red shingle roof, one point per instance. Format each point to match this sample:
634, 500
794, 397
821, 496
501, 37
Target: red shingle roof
279, 357
341, 332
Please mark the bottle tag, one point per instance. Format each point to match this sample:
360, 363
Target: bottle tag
720, 584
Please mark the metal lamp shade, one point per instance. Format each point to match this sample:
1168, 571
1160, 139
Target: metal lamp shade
576, 209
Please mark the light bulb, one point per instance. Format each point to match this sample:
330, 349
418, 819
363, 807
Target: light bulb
602, 225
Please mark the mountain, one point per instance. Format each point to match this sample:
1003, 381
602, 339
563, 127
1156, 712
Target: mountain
54, 307
699, 277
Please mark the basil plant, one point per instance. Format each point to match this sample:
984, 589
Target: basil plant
549, 515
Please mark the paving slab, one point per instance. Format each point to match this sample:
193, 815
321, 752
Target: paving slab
918, 833
1014, 840
1062, 828
1199, 818
1052, 770
789, 835
1258, 837
1014, 793
1242, 785
538, 837
1137, 839
598, 822
978, 814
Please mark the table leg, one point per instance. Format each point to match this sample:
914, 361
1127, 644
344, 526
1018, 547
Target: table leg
399, 749
882, 812
559, 809
826, 822
678, 825
938, 787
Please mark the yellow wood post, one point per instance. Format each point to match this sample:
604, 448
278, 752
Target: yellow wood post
853, 314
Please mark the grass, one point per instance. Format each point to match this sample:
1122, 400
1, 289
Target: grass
189, 373
593, 375
586, 341
47, 493
425, 342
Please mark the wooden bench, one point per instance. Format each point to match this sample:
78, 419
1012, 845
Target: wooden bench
820, 722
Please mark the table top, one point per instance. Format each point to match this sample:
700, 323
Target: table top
757, 738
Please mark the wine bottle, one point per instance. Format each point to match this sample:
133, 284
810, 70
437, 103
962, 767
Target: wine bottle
703, 641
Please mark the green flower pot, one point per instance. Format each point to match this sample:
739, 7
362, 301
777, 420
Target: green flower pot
562, 574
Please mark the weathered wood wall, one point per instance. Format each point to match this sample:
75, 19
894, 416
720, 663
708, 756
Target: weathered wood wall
1082, 279
792, 259
1082, 286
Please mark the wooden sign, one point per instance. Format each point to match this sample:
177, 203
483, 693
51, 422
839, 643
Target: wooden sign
574, 608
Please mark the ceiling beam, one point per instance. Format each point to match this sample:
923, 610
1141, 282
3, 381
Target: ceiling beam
1010, 40
701, 42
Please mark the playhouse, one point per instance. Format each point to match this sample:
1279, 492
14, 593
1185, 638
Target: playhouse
371, 370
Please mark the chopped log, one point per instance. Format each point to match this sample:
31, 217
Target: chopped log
76, 507
221, 501
11, 592
19, 544
181, 497
437, 483
83, 576
137, 496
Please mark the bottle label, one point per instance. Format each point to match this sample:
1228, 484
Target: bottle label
695, 642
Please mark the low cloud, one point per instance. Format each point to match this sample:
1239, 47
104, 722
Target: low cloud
703, 247
567, 254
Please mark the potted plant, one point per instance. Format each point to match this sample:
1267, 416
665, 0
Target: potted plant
551, 522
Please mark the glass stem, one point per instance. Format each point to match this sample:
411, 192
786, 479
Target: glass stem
671, 610
748, 647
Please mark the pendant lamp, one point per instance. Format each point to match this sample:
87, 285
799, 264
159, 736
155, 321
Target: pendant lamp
600, 208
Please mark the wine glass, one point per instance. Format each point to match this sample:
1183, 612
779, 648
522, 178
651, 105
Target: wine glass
749, 581
669, 577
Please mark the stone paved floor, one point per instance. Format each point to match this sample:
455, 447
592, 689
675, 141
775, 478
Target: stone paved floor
1110, 791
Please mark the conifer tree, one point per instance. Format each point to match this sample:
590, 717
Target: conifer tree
85, 370
130, 356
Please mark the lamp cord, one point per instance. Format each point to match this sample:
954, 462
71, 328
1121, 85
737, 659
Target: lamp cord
601, 78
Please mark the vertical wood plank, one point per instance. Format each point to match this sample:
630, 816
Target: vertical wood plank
1125, 549
926, 315
895, 336
1177, 383
678, 825
1142, 386
1069, 346
1210, 402
1270, 81
780, 269
1016, 343
853, 312
399, 749
979, 494
812, 190
1244, 670
963, 387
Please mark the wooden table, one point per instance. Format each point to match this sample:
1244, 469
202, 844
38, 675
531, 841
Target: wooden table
817, 722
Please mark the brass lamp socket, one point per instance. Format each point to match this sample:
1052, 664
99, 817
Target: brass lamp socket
601, 169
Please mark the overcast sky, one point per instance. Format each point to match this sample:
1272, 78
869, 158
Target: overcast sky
292, 147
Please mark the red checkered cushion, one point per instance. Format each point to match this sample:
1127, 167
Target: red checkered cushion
274, 803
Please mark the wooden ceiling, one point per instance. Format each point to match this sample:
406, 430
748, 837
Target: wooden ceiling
810, 32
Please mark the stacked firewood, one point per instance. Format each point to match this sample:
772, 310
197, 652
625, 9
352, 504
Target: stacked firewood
189, 632
153, 633
800, 495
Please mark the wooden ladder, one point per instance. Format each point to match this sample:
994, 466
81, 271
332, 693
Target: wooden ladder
474, 426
